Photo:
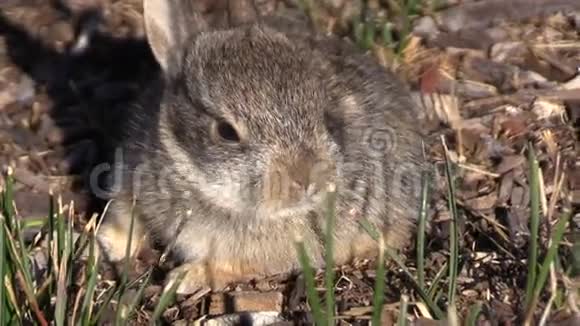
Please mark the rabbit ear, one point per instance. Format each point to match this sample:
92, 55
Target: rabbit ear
168, 24
242, 11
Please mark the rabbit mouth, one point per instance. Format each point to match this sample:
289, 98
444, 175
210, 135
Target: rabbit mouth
280, 209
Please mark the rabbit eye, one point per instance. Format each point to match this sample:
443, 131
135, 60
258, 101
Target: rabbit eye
226, 131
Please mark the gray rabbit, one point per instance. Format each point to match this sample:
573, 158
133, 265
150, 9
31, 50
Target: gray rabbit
233, 154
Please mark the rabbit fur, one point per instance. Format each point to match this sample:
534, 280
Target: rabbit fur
232, 154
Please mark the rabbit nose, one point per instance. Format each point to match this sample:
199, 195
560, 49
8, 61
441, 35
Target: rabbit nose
299, 176
290, 180
309, 175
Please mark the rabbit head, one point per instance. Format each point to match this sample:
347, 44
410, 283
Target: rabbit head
242, 115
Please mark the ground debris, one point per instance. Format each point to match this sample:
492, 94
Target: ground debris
488, 87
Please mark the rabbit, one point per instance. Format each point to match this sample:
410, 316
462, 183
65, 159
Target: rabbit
236, 152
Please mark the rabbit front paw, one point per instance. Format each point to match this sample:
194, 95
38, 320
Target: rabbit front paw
197, 276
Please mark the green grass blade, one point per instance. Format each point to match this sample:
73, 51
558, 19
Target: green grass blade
7, 301
453, 232
3, 263
328, 249
552, 252
379, 293
60, 232
406, 19
140, 278
421, 231
473, 314
393, 256
369, 34
8, 201
437, 312
11, 307
80, 245
23, 253
438, 295
28, 223
6, 225
61, 295
370, 229
92, 267
534, 182
104, 305
408, 9
138, 297
387, 35
15, 226
166, 298
24, 285
50, 238
64, 274
310, 285
109, 296
437, 280
4, 310
548, 260
414, 7
70, 244
402, 321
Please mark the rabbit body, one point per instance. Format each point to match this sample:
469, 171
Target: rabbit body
233, 154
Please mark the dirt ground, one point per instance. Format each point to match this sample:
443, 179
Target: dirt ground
491, 79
